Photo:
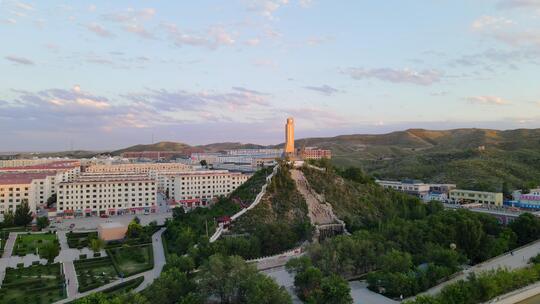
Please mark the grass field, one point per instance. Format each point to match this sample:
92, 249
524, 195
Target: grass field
27, 243
41, 284
94, 273
131, 260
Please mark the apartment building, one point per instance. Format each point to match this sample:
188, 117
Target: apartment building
313, 153
137, 167
203, 185
23, 162
114, 193
15, 187
66, 170
468, 196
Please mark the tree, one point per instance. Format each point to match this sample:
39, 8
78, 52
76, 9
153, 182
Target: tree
51, 200
231, 280
335, 290
526, 227
178, 213
204, 163
134, 229
308, 283
396, 261
171, 286
23, 216
42, 222
9, 219
97, 244
49, 251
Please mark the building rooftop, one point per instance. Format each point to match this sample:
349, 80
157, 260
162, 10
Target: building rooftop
21, 178
54, 165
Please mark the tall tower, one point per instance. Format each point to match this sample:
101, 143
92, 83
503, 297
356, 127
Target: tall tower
289, 137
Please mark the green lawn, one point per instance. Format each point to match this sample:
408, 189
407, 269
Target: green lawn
131, 260
27, 243
93, 273
41, 284
80, 240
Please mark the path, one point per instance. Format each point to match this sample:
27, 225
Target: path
149, 276
319, 212
520, 259
10, 243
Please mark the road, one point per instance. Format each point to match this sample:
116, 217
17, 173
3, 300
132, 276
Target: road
519, 259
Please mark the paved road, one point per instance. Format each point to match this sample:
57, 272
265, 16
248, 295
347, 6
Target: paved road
10, 243
149, 276
159, 261
519, 259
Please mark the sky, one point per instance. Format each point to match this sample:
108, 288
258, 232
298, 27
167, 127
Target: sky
108, 74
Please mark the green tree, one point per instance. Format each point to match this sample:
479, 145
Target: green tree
42, 222
204, 163
526, 227
396, 261
171, 286
49, 251
135, 229
335, 290
9, 219
96, 244
51, 200
23, 216
308, 283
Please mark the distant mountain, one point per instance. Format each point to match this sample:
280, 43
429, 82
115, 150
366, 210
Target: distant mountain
229, 146
473, 158
160, 146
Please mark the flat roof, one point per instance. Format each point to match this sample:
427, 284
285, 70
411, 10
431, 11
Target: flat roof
21, 178
54, 165
111, 225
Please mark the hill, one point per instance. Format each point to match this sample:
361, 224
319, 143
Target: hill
508, 157
216, 147
160, 146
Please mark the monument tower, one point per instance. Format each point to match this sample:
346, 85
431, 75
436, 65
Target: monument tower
289, 137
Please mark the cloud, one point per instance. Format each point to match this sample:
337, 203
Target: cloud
513, 4
19, 60
424, 77
244, 90
324, 89
491, 22
212, 38
253, 42
266, 7
133, 21
99, 30
24, 6
8, 21
487, 100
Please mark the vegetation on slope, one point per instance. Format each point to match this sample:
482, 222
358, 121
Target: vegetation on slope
410, 246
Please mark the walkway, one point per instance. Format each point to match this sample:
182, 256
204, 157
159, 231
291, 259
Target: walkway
319, 212
520, 259
149, 276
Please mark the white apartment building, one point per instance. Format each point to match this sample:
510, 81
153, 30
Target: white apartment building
203, 185
24, 162
36, 188
137, 167
107, 193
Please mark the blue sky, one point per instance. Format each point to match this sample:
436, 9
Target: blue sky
107, 74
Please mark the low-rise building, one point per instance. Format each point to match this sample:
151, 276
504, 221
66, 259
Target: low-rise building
469, 196
203, 185
314, 153
112, 231
107, 194
412, 187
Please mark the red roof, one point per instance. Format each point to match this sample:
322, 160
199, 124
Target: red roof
21, 178
55, 165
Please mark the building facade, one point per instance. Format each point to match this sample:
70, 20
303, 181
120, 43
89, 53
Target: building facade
203, 185
107, 194
415, 188
468, 196
137, 167
313, 153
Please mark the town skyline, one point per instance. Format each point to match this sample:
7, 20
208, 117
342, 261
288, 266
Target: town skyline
106, 75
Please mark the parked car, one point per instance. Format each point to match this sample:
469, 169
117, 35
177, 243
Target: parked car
104, 216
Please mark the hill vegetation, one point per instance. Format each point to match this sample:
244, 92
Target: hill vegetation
477, 159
